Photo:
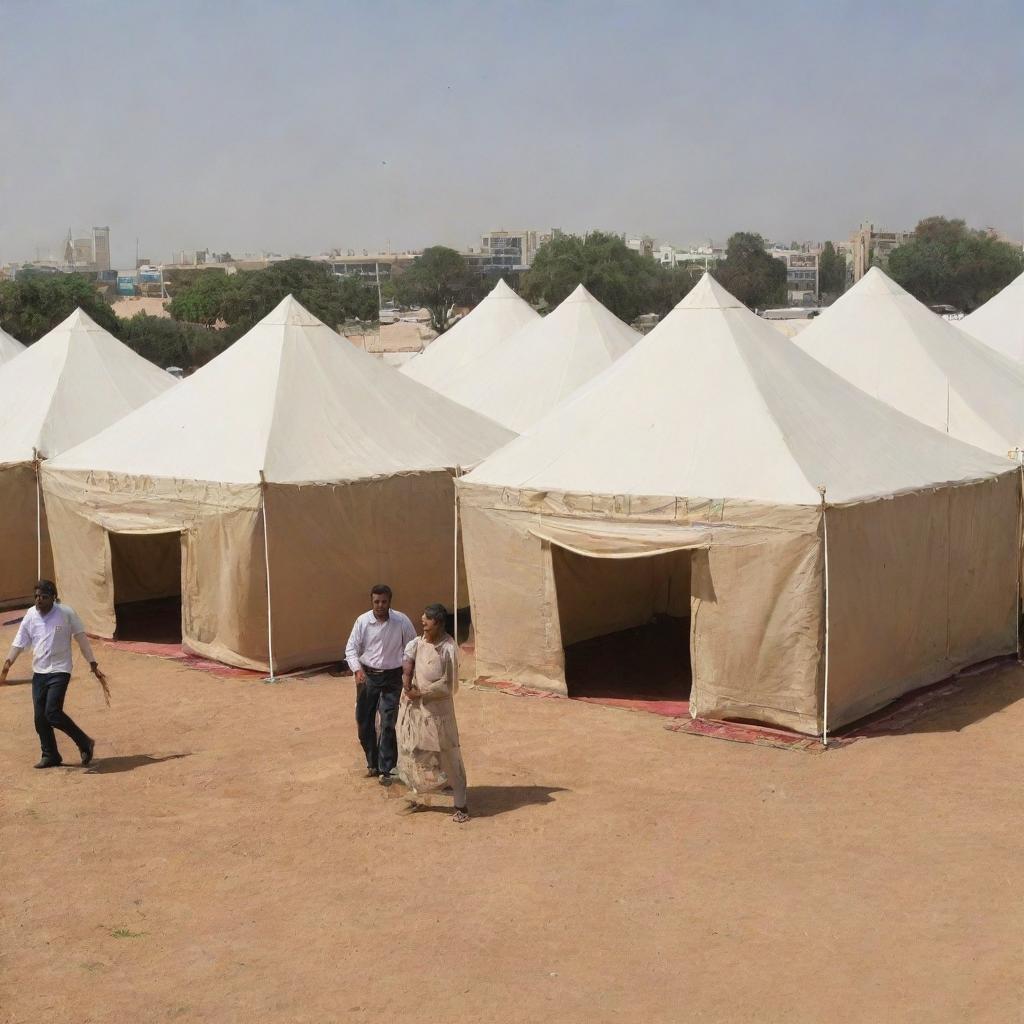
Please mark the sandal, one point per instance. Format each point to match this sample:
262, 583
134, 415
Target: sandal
461, 815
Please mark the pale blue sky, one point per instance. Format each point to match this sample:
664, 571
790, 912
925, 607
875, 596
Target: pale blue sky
301, 126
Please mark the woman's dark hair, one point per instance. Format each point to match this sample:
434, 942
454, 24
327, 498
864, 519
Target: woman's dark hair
47, 587
436, 612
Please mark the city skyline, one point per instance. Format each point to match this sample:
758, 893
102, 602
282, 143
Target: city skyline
307, 127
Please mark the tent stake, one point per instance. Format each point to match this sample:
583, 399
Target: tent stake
266, 562
824, 709
39, 517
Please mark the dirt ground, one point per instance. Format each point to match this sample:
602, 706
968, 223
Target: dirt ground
223, 861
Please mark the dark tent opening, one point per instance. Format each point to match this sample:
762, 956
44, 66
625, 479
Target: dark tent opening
625, 625
147, 586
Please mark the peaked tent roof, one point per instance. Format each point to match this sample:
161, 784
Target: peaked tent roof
487, 325
68, 386
294, 399
539, 366
715, 403
880, 338
9, 347
999, 323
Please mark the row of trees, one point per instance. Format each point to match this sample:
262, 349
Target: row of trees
34, 304
628, 283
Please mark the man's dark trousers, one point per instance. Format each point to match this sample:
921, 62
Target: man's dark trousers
48, 692
380, 692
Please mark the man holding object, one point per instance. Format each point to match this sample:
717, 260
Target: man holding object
374, 653
48, 628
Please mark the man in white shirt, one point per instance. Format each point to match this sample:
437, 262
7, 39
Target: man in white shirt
48, 628
374, 653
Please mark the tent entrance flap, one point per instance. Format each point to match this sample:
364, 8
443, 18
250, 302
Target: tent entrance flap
146, 572
621, 540
625, 624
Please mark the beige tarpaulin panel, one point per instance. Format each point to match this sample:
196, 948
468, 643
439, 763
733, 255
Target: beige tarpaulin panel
617, 540
920, 586
757, 631
330, 543
19, 554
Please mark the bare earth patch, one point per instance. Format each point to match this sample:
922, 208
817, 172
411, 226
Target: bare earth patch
224, 861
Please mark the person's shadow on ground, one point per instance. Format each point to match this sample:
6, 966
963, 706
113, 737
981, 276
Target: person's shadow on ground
489, 801
128, 763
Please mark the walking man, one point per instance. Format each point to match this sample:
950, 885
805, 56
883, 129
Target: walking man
374, 653
48, 628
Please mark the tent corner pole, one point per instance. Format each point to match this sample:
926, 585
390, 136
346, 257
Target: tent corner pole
39, 515
824, 540
455, 564
266, 565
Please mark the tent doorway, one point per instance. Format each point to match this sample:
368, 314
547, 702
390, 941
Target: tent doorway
625, 625
146, 570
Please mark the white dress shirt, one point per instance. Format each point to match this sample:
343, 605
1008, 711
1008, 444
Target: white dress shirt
378, 645
49, 636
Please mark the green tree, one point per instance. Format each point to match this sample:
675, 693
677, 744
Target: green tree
831, 271
243, 299
439, 280
947, 262
200, 301
168, 342
756, 278
671, 286
33, 304
623, 280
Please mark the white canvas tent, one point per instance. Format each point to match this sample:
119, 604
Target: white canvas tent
999, 323
486, 326
69, 385
539, 366
293, 464
825, 547
9, 347
880, 338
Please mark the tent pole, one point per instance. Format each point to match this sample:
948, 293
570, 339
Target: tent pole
1020, 534
455, 576
39, 517
266, 562
824, 708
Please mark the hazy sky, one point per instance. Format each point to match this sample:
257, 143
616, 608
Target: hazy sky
302, 126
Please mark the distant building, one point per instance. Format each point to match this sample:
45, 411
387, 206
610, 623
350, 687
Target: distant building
510, 250
101, 248
868, 246
370, 268
802, 282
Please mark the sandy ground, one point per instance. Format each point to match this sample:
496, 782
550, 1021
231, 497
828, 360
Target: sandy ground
223, 861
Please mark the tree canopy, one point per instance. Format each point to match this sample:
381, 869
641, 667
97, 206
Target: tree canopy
750, 273
241, 300
619, 277
831, 271
33, 304
945, 262
168, 342
439, 280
